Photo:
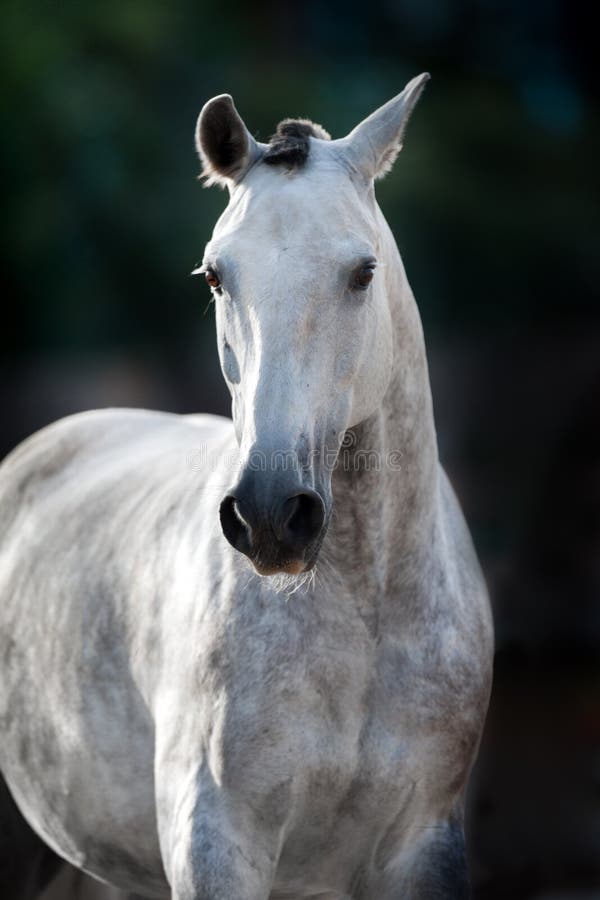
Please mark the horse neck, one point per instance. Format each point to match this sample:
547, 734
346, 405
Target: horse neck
385, 488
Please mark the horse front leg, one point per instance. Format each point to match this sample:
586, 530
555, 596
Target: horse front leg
217, 847
435, 869
216, 862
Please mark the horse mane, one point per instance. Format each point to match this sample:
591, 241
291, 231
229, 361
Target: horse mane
290, 145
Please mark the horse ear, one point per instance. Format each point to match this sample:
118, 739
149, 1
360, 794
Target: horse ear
224, 144
374, 144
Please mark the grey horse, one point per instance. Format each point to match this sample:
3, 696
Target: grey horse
252, 659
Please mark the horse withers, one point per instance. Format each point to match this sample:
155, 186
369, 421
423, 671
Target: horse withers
264, 679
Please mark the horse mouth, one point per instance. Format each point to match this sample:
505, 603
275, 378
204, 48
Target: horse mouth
293, 567
272, 565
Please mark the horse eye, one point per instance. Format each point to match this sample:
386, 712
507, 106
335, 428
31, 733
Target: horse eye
364, 277
212, 279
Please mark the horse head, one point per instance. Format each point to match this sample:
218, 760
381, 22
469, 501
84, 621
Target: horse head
297, 270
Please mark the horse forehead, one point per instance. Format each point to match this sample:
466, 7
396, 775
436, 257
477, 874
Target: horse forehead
279, 211
312, 197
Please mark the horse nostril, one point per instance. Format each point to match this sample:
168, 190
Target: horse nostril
235, 527
302, 518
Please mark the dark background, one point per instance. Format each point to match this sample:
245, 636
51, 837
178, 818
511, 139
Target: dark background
494, 205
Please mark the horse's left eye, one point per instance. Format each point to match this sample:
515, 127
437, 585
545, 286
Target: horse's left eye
364, 277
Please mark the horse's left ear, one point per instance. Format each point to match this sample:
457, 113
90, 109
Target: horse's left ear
374, 144
224, 144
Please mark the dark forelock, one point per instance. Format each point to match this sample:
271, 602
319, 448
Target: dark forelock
290, 145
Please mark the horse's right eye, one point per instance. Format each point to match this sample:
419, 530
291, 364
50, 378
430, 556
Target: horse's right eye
363, 277
212, 279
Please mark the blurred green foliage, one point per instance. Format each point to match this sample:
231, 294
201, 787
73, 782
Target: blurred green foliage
492, 200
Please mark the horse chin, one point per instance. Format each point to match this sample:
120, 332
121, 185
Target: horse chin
292, 567
271, 559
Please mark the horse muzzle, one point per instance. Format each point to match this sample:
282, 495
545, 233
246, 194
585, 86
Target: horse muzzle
279, 530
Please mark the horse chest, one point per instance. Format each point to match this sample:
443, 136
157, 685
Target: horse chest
346, 774
352, 732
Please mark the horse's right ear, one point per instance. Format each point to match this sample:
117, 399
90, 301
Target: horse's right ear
374, 144
224, 144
